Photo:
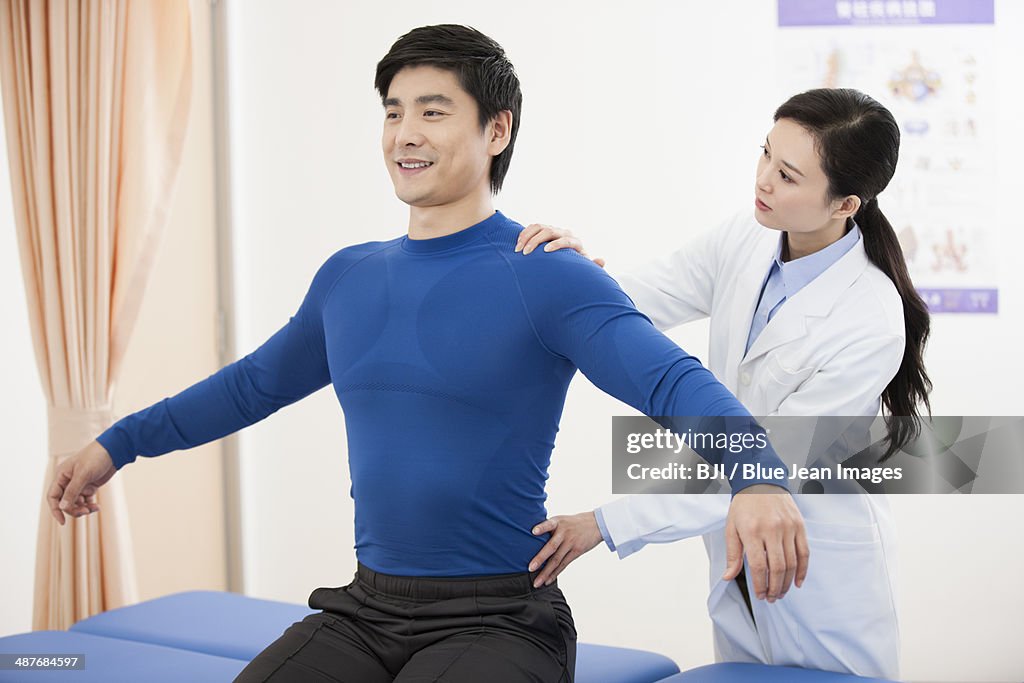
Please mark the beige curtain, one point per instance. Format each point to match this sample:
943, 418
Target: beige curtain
96, 97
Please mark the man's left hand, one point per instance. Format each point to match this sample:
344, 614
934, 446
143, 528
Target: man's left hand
571, 536
765, 523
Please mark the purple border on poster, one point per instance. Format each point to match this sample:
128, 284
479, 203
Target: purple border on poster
960, 300
884, 12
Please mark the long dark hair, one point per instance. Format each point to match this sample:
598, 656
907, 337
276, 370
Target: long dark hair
858, 141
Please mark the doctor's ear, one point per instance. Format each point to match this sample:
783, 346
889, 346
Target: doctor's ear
846, 207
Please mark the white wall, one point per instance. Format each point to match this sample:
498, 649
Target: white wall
180, 547
640, 126
23, 417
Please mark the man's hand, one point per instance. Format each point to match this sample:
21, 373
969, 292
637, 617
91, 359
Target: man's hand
76, 480
537, 234
765, 523
571, 536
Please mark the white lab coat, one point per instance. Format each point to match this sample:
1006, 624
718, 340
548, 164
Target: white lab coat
829, 350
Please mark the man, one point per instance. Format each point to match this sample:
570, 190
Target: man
451, 362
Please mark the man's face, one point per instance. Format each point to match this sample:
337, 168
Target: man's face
433, 144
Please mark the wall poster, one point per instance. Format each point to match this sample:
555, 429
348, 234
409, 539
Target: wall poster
931, 63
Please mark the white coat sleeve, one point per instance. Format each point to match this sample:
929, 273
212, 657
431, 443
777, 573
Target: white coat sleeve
634, 521
679, 287
836, 389
671, 290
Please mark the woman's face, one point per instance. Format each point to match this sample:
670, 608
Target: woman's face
791, 190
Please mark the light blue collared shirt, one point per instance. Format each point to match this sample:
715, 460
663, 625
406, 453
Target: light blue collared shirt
784, 280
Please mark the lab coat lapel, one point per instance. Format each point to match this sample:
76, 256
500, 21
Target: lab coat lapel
787, 324
744, 295
814, 300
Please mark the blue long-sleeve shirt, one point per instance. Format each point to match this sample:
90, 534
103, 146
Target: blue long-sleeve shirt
451, 358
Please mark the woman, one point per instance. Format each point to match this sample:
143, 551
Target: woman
815, 315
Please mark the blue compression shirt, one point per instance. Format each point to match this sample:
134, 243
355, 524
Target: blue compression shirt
450, 358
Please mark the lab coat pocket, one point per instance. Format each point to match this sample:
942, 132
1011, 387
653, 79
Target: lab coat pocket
847, 575
844, 615
780, 378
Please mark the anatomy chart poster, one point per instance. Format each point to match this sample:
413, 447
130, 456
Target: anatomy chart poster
931, 63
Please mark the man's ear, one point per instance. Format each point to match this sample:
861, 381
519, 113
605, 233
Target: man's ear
500, 131
846, 207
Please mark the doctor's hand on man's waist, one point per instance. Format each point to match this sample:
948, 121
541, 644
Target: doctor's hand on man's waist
763, 522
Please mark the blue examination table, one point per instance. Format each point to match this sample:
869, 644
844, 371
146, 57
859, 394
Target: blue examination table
202, 636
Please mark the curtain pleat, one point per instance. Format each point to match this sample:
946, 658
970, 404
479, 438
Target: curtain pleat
96, 98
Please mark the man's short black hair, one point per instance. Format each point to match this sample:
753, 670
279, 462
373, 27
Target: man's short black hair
477, 61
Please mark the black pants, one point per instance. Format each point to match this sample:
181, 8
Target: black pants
413, 629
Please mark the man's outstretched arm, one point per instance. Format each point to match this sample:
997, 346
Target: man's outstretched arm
581, 314
287, 367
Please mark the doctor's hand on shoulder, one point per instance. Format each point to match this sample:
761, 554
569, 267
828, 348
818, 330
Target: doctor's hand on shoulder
76, 481
553, 239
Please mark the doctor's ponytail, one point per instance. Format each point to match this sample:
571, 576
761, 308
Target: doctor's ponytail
910, 387
858, 141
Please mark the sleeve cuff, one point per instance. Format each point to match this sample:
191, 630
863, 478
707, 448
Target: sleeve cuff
118, 445
604, 529
739, 484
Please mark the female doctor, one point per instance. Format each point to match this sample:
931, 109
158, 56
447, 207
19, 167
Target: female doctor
812, 313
